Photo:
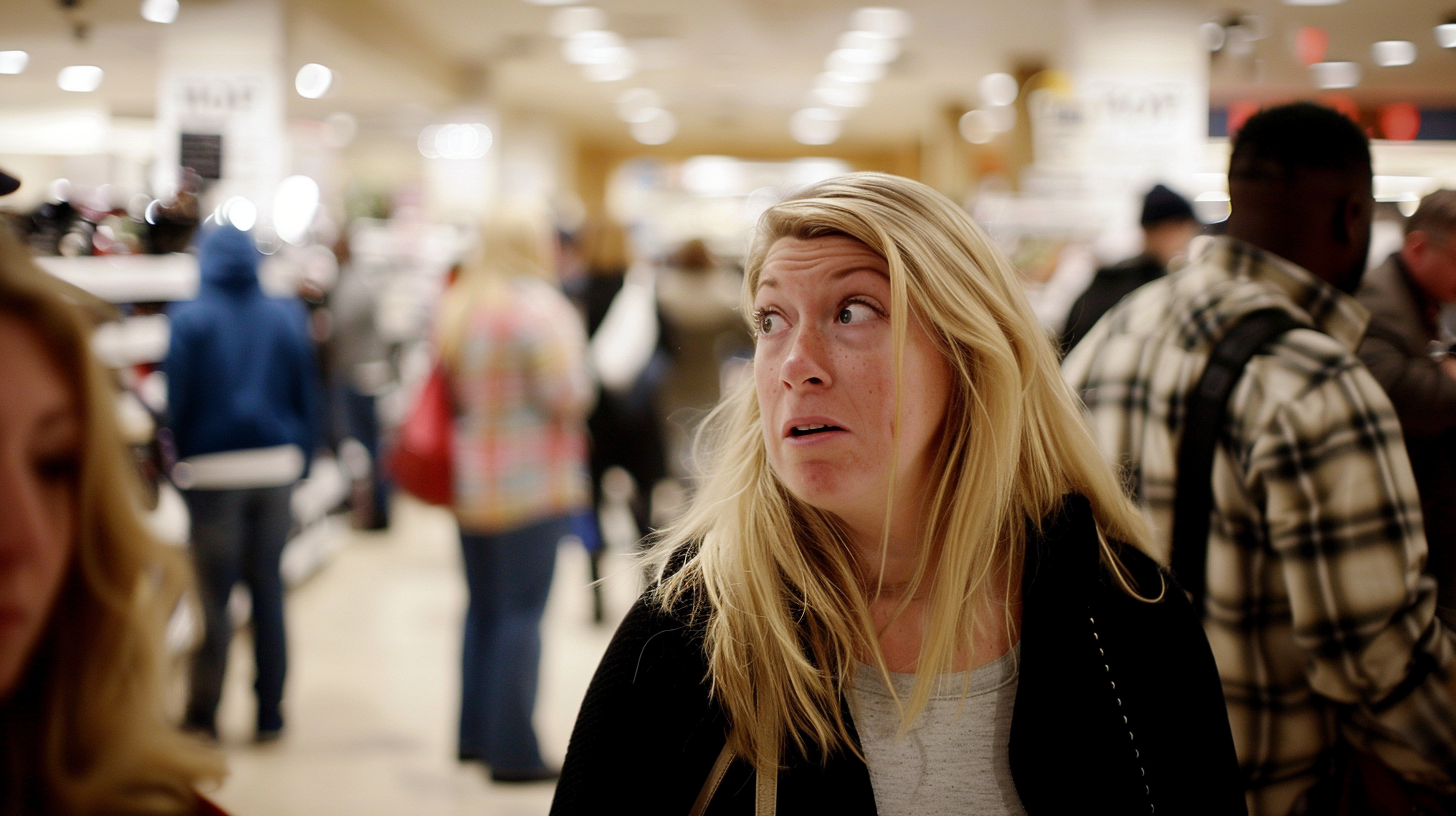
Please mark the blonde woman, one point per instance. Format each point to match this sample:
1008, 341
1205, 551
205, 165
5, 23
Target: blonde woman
84, 589
515, 353
908, 584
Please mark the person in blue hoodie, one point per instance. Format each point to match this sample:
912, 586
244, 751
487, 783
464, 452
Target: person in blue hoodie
242, 406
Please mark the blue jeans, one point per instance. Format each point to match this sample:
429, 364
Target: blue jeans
239, 535
509, 576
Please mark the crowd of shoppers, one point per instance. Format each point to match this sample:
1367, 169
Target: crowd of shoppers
914, 573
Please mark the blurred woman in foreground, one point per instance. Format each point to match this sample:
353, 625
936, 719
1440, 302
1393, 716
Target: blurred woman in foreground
84, 588
515, 354
909, 583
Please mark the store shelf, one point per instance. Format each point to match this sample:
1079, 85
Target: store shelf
129, 278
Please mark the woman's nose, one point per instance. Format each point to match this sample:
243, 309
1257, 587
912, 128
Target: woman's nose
807, 362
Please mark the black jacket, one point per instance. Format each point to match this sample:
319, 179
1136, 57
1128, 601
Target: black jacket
1118, 708
1111, 284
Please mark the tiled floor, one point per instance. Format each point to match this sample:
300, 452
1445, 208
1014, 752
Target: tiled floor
373, 683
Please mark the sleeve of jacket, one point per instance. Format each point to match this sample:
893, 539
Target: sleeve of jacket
307, 387
1344, 519
647, 734
180, 368
1424, 396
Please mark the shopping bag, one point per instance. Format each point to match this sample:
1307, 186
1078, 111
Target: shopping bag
421, 461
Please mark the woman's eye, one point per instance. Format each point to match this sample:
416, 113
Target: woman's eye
769, 322
855, 313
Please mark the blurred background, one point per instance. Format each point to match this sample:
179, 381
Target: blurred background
374, 135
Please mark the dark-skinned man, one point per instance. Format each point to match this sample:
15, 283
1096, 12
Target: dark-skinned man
1315, 604
1404, 296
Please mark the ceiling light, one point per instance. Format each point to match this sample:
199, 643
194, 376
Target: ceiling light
656, 128
13, 62
576, 19
814, 126
591, 47
886, 22
843, 65
841, 94
636, 104
313, 80
868, 47
80, 78
239, 212
975, 127
1330, 75
159, 11
619, 63
998, 89
1446, 35
1214, 36
459, 141
1390, 53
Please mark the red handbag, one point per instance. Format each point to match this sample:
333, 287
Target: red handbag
421, 461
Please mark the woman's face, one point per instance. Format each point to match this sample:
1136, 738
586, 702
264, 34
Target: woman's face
40, 445
825, 372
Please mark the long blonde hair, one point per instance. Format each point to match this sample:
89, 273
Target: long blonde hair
774, 581
85, 729
514, 242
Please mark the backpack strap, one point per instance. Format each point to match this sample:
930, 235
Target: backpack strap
1203, 421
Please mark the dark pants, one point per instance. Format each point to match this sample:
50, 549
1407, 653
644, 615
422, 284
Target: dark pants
356, 415
509, 575
239, 535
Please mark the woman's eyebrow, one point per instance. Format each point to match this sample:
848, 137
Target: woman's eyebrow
773, 283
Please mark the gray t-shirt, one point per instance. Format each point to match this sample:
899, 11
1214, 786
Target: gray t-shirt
954, 760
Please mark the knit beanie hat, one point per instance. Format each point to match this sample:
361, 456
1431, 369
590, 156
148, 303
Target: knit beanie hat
1162, 204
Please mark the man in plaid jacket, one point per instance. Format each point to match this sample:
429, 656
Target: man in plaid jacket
1320, 619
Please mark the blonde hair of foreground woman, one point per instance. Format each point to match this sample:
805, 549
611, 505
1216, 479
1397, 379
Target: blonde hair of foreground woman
84, 730
786, 606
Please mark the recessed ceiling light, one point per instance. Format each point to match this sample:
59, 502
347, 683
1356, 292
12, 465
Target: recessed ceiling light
313, 80
159, 11
80, 78
657, 128
13, 62
976, 127
1330, 75
1390, 53
1446, 35
998, 89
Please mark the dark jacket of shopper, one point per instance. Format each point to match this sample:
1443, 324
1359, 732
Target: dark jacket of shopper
240, 369
1111, 284
1118, 707
1396, 349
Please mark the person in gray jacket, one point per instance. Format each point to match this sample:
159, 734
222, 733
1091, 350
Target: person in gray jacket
1404, 349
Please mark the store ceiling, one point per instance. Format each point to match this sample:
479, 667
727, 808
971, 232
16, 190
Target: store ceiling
732, 71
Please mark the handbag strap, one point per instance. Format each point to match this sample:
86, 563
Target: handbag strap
1202, 423
766, 786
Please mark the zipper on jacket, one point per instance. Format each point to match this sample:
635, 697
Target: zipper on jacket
1132, 740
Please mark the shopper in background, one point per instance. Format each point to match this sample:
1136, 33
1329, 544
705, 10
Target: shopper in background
1405, 352
1323, 627
360, 370
698, 300
624, 429
905, 527
516, 358
1168, 226
84, 588
242, 403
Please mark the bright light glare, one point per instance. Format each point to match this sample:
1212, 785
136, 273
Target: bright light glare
636, 104
159, 11
1390, 53
575, 20
13, 62
620, 63
591, 47
294, 207
841, 94
80, 78
998, 89
460, 141
868, 47
1336, 74
657, 128
976, 127
1446, 35
886, 22
239, 212
814, 126
313, 81
842, 64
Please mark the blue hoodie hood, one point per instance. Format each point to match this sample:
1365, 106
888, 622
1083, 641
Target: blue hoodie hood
229, 260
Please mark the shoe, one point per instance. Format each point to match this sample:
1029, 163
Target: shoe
525, 776
470, 756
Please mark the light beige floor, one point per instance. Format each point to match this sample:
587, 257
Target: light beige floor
373, 684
